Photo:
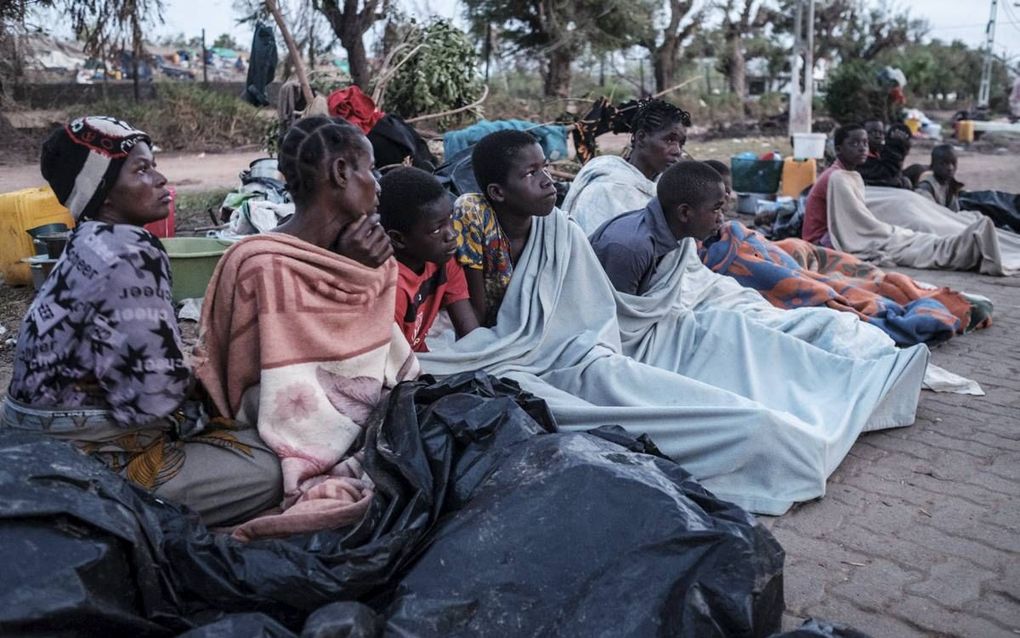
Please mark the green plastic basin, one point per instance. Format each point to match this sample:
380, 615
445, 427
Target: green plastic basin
192, 262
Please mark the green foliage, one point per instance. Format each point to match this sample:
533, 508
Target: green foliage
225, 41
938, 70
187, 116
440, 76
853, 94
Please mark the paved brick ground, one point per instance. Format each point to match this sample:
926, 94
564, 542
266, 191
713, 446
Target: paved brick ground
919, 533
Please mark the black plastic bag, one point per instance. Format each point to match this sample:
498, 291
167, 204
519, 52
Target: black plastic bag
250, 625
1003, 208
393, 140
79, 547
469, 468
815, 628
572, 534
457, 174
261, 65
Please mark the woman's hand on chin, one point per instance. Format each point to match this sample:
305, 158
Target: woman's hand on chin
364, 241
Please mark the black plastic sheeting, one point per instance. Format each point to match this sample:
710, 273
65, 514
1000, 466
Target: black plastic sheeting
394, 140
457, 173
1003, 208
815, 628
485, 522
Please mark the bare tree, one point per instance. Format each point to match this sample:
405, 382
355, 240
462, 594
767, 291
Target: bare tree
102, 24
666, 46
350, 22
740, 19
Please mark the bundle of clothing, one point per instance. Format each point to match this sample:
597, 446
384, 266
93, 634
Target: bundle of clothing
551, 137
795, 274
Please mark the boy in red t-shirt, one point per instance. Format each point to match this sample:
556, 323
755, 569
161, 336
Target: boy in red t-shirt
416, 212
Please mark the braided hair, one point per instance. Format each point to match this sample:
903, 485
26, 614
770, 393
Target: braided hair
307, 148
654, 115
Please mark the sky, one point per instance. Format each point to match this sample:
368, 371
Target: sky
950, 19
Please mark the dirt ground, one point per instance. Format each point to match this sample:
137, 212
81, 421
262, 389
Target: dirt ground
194, 172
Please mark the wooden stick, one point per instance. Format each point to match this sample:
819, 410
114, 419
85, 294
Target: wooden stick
295, 54
677, 87
432, 116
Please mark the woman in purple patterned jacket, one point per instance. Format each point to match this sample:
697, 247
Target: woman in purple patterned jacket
99, 360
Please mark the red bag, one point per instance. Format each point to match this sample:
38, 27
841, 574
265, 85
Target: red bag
355, 107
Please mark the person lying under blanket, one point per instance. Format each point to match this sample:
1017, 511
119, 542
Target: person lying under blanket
895, 226
99, 360
704, 397
609, 186
793, 273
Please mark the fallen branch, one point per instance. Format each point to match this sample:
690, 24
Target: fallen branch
432, 116
676, 88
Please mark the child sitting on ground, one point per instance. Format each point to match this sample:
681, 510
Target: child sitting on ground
727, 177
689, 202
939, 184
416, 211
493, 226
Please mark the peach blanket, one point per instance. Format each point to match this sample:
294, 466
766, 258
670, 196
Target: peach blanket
301, 342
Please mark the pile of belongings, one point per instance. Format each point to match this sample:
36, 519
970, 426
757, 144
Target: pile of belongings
486, 520
394, 141
259, 204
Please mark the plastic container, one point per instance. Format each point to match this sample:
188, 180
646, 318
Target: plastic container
747, 203
798, 175
20, 212
54, 243
192, 262
965, 131
808, 145
755, 175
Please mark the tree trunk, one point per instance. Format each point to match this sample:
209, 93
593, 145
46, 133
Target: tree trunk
737, 70
557, 77
357, 58
136, 54
664, 64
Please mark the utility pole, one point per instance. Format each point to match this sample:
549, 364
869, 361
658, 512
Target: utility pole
982, 94
802, 66
205, 71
